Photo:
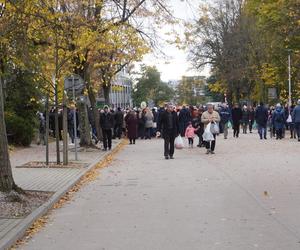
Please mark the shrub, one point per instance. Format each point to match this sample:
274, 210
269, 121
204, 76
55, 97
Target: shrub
21, 131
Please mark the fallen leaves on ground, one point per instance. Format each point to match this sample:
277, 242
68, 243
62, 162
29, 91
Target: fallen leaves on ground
18, 205
87, 178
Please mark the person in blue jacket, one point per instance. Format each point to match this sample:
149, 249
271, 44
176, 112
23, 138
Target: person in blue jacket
278, 121
225, 114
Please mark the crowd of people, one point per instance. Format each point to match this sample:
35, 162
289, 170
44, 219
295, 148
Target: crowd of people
169, 122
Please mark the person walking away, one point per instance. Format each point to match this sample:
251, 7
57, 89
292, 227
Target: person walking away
71, 124
184, 118
251, 118
272, 128
141, 124
148, 123
296, 119
196, 123
245, 119
52, 121
42, 128
278, 121
131, 126
60, 123
155, 118
118, 127
168, 127
200, 130
225, 115
106, 123
290, 123
210, 116
261, 118
190, 134
236, 119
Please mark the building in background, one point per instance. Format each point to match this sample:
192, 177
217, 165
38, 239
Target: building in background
120, 91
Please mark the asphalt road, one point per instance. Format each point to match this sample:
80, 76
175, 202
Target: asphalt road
246, 196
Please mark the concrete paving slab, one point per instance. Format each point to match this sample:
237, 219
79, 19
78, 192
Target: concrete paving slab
196, 201
54, 180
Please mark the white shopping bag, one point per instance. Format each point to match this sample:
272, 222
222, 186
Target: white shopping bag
207, 135
179, 142
214, 128
289, 119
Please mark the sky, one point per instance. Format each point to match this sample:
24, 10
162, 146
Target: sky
177, 63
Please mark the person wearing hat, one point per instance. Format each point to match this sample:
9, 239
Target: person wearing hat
168, 126
106, 123
278, 121
296, 119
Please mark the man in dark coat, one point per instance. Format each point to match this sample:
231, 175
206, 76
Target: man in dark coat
106, 123
119, 119
261, 117
237, 115
168, 125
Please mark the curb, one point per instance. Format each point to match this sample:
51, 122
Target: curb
19, 231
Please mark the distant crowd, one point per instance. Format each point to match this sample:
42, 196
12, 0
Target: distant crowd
186, 121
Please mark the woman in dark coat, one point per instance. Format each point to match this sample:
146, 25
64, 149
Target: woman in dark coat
132, 126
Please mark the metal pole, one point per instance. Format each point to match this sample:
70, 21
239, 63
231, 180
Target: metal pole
47, 130
290, 83
57, 132
65, 131
75, 122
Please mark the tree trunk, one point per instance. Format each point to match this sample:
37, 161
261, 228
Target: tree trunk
6, 179
84, 126
106, 90
95, 113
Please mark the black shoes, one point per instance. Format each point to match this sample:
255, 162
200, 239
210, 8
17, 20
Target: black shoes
167, 157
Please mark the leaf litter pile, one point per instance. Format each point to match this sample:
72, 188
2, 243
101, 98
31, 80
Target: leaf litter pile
18, 205
87, 178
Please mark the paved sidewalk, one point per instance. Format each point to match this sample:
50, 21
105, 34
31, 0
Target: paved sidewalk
195, 202
56, 180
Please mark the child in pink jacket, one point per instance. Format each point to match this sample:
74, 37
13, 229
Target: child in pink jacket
190, 134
